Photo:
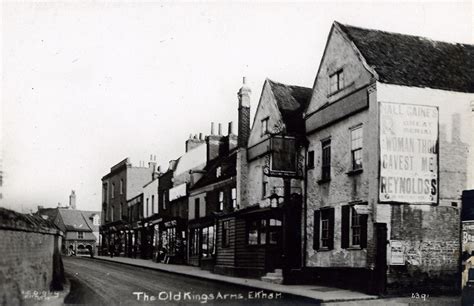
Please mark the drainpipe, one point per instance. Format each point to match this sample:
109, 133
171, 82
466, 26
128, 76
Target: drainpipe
305, 206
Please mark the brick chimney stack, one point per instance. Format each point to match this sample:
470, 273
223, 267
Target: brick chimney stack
243, 127
244, 115
72, 200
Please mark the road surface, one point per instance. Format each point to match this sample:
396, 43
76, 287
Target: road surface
96, 282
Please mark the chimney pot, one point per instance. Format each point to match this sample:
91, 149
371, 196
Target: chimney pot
243, 80
212, 128
200, 136
229, 131
219, 129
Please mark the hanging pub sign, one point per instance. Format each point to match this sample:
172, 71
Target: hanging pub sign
282, 160
408, 153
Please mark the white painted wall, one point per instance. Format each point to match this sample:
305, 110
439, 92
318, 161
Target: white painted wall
149, 191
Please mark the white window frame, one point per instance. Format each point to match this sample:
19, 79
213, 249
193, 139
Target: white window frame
233, 196
357, 144
353, 226
221, 200
336, 81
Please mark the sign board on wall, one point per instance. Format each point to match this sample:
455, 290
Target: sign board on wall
408, 153
397, 255
177, 192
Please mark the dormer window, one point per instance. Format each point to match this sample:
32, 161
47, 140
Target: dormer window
95, 220
264, 126
218, 172
336, 81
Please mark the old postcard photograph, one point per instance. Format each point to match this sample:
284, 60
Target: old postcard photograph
237, 152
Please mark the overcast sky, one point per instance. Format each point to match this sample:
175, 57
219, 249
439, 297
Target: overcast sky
85, 85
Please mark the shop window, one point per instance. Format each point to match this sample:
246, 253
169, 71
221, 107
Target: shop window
326, 164
323, 235
274, 231
194, 243
356, 147
168, 240
208, 241
253, 233
336, 81
353, 228
225, 233
264, 231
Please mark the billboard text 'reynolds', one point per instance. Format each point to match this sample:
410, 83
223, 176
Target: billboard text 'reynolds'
408, 153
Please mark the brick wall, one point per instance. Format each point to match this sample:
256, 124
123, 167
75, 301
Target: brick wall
30, 256
431, 255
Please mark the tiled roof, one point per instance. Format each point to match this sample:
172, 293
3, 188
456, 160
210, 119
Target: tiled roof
88, 215
48, 213
291, 101
415, 61
74, 220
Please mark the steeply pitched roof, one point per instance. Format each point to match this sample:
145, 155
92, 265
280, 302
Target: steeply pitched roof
415, 61
74, 220
88, 216
292, 101
48, 213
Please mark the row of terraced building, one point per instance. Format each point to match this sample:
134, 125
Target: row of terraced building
356, 182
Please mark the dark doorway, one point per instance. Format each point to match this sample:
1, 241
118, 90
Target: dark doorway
379, 283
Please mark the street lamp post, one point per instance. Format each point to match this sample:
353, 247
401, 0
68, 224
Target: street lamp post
274, 201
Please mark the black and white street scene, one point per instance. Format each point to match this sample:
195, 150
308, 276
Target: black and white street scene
238, 152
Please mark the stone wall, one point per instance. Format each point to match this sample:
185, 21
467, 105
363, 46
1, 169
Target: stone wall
30, 256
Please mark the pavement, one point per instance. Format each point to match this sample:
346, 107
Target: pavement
321, 294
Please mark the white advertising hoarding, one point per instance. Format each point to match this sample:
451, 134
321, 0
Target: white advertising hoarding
408, 153
177, 192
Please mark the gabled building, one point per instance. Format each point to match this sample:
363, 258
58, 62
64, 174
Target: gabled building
388, 127
80, 227
263, 235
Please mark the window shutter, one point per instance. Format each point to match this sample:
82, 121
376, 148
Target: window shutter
345, 222
316, 233
363, 231
331, 229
